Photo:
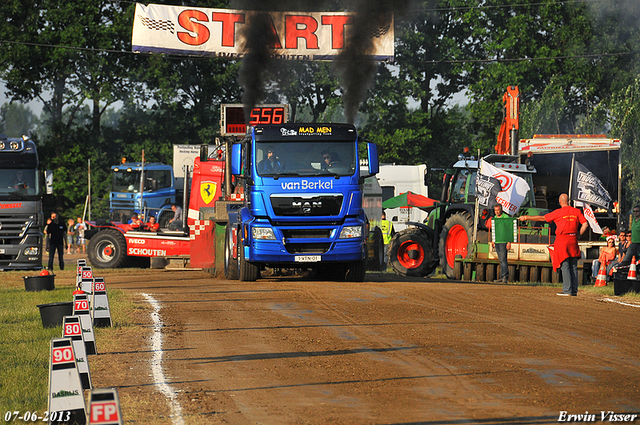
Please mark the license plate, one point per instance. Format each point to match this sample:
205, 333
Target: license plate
307, 258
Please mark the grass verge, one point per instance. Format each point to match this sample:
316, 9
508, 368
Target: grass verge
24, 343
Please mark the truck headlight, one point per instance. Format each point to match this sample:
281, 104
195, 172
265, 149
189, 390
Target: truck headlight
32, 250
350, 232
263, 233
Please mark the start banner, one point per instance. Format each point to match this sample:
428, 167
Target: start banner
220, 33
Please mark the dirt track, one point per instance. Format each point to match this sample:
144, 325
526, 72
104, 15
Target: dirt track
290, 351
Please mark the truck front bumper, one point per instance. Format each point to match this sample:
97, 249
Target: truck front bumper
342, 251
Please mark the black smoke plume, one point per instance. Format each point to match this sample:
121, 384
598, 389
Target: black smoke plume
259, 38
355, 66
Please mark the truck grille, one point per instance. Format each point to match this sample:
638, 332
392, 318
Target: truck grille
307, 248
306, 233
124, 204
13, 229
326, 205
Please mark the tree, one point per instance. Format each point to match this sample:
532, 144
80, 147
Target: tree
16, 120
58, 48
506, 34
624, 116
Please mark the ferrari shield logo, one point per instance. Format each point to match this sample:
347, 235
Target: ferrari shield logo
208, 191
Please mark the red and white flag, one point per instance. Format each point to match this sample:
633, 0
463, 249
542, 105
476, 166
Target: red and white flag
513, 191
591, 218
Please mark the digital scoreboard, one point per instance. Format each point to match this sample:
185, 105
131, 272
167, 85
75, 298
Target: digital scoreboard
233, 121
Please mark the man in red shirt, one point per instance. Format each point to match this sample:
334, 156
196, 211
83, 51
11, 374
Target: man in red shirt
152, 225
569, 221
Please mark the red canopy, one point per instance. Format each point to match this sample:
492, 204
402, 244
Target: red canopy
409, 199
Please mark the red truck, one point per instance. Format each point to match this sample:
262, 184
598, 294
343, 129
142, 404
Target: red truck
113, 244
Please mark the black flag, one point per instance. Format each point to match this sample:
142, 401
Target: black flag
588, 188
487, 188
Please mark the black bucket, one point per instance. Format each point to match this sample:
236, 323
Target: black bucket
39, 283
622, 286
52, 314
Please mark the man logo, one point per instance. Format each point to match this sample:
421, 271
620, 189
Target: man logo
208, 191
306, 206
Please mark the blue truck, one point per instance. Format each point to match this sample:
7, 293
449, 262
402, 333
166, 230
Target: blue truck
303, 201
159, 193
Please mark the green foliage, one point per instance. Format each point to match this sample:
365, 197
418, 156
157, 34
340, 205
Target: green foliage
625, 124
16, 120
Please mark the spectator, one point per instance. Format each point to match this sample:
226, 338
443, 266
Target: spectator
623, 244
176, 222
387, 233
135, 222
607, 256
71, 236
634, 248
56, 231
80, 242
152, 225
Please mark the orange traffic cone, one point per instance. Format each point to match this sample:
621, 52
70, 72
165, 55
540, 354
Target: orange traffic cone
632, 269
601, 280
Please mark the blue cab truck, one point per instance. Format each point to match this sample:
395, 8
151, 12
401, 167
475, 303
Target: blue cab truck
159, 190
308, 212
21, 216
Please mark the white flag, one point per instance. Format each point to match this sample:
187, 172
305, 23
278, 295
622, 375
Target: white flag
514, 189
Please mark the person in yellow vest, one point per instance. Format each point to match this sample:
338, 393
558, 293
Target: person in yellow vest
387, 233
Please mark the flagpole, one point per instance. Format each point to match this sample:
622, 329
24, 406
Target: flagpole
573, 161
475, 218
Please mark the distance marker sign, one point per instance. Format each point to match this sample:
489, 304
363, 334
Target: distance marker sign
100, 304
104, 407
71, 328
66, 397
81, 309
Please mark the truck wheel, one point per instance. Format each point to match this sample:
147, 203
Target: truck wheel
455, 239
230, 263
410, 253
356, 271
107, 249
249, 272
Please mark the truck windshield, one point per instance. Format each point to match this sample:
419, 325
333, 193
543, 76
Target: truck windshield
19, 182
302, 158
126, 181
